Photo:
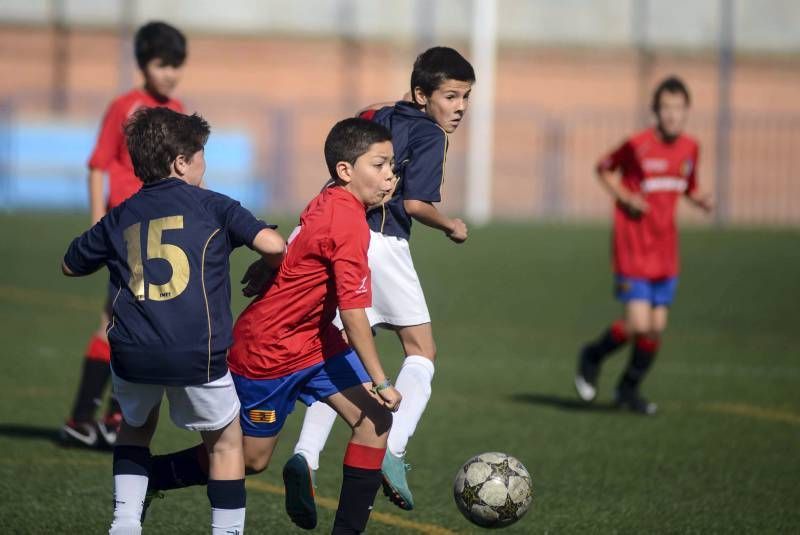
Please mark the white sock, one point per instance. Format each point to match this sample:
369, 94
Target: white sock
414, 384
129, 492
317, 425
227, 521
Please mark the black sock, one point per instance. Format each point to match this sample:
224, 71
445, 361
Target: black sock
359, 487
94, 376
642, 356
226, 494
612, 339
181, 469
131, 460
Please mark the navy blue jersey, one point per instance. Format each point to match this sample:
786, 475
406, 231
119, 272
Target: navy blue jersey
420, 150
167, 250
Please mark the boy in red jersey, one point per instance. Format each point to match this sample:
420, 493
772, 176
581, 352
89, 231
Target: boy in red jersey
657, 166
160, 53
286, 346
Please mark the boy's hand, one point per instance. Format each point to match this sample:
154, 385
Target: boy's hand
634, 204
256, 278
459, 231
390, 398
705, 201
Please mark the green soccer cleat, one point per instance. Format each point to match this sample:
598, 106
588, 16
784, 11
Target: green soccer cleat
298, 479
395, 486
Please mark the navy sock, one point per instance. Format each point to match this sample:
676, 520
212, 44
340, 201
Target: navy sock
181, 469
612, 339
133, 460
642, 356
359, 487
94, 376
226, 494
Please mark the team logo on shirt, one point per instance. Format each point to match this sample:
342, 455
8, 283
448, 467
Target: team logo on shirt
655, 165
258, 416
362, 288
686, 167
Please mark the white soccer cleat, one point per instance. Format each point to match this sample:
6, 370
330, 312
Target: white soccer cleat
586, 391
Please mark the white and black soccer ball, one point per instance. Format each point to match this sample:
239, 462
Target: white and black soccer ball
493, 490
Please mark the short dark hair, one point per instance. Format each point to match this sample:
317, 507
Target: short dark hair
156, 136
437, 65
350, 138
159, 40
671, 84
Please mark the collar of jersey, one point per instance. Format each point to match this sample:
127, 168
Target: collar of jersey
164, 183
341, 192
411, 110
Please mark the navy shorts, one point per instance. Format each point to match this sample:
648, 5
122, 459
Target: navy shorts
659, 292
265, 403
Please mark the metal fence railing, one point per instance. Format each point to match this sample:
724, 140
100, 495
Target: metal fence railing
271, 157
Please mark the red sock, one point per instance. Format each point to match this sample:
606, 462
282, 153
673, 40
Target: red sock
618, 332
366, 457
98, 349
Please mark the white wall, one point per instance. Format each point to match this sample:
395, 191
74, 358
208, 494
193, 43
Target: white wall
761, 25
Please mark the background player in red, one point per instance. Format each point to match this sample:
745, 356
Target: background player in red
657, 166
160, 51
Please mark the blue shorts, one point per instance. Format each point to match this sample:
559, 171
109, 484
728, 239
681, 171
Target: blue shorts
659, 292
267, 402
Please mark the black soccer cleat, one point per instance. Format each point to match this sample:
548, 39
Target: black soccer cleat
586, 377
108, 428
634, 402
299, 484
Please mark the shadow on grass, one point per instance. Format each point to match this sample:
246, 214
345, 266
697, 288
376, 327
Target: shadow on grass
46, 434
568, 403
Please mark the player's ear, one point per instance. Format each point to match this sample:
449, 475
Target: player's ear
179, 165
420, 97
344, 171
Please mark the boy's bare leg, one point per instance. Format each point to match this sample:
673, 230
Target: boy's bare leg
370, 422
131, 471
226, 491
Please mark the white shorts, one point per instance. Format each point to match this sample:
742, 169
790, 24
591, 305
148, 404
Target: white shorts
207, 407
397, 298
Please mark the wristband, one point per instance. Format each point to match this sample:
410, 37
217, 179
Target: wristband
380, 387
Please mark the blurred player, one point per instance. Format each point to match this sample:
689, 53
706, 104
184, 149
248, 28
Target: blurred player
656, 167
286, 347
167, 249
160, 53
441, 82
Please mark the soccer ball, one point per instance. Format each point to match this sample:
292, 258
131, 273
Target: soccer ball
493, 490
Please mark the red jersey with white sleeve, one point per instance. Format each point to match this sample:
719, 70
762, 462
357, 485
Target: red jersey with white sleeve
111, 151
646, 246
289, 328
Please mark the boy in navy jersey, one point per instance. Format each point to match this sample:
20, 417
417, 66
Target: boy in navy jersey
167, 250
441, 83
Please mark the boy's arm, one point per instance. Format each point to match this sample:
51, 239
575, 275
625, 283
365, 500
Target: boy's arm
701, 199
272, 248
633, 203
359, 334
97, 207
87, 253
423, 177
427, 214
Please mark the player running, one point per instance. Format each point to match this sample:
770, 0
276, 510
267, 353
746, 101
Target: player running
160, 53
656, 166
441, 82
167, 250
286, 347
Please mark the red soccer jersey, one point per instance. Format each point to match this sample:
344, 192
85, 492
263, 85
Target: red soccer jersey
111, 152
647, 246
289, 327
